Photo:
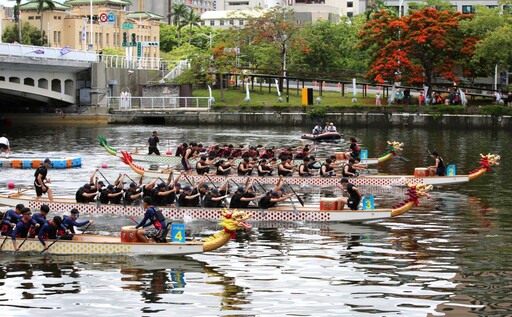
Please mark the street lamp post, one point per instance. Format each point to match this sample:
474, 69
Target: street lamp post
92, 34
1, 17
210, 37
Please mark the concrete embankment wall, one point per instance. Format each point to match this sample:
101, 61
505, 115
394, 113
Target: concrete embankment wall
340, 119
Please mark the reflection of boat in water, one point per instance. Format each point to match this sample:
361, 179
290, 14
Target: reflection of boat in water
326, 136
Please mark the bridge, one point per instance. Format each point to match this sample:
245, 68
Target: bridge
36, 75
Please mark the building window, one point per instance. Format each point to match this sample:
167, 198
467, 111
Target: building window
59, 38
350, 14
467, 9
107, 39
31, 18
232, 22
221, 22
212, 23
350, 4
241, 22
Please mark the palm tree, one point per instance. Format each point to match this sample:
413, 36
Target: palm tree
191, 19
41, 4
17, 18
178, 12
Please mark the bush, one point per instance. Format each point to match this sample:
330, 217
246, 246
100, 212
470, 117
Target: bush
496, 110
317, 112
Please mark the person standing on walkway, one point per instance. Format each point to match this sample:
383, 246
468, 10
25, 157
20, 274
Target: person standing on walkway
153, 144
4, 145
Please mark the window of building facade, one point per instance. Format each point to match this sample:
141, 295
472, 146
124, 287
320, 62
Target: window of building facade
212, 23
350, 4
467, 9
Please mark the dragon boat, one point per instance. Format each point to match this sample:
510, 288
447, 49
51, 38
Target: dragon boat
164, 159
126, 243
420, 176
34, 162
328, 210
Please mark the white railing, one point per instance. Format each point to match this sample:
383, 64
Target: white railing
41, 52
119, 61
159, 103
182, 66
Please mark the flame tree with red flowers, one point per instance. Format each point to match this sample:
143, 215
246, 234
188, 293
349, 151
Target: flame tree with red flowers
415, 48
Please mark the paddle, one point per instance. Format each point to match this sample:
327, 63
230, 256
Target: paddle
20, 192
257, 181
106, 180
1, 246
298, 197
58, 238
24, 240
86, 227
224, 200
130, 178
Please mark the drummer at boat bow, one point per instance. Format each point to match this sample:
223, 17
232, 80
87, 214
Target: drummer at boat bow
439, 169
40, 181
152, 217
70, 222
153, 144
354, 194
23, 227
354, 150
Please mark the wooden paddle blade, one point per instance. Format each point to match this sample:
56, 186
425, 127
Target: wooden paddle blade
300, 200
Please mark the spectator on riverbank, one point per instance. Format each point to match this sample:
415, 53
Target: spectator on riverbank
421, 99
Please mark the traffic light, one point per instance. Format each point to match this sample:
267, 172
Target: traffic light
95, 18
153, 44
134, 39
125, 37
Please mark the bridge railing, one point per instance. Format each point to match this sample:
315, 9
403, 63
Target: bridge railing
119, 61
156, 104
41, 52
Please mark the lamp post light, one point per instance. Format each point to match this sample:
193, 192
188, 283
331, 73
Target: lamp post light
210, 37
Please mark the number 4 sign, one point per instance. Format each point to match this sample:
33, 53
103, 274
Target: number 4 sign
178, 232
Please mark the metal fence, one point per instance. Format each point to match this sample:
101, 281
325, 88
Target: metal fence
159, 103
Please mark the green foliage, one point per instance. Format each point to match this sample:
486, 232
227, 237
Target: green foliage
30, 35
113, 51
316, 112
168, 37
496, 110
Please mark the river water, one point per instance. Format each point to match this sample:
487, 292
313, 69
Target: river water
449, 257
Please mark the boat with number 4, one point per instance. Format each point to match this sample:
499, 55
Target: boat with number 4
164, 159
126, 242
420, 176
329, 209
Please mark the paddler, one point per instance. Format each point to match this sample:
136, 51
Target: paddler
23, 227
70, 222
11, 218
51, 230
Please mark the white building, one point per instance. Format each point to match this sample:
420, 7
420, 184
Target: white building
464, 6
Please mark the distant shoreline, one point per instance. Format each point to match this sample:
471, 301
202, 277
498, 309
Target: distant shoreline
272, 118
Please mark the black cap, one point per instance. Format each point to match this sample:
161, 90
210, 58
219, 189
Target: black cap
241, 190
162, 184
133, 185
343, 180
57, 220
47, 160
74, 211
147, 200
45, 208
110, 187
87, 186
26, 211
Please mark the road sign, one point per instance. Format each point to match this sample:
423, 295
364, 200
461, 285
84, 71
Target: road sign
128, 44
111, 17
139, 49
127, 26
103, 17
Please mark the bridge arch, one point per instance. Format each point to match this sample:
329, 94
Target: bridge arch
28, 81
56, 85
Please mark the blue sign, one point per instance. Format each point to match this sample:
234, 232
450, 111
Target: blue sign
368, 203
363, 155
111, 17
451, 170
178, 232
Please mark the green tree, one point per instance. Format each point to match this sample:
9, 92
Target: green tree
277, 27
178, 12
31, 35
191, 19
43, 5
168, 37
